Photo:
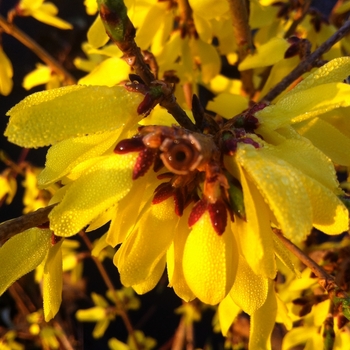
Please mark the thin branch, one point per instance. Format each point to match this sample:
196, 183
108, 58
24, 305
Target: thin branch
326, 281
123, 314
14, 31
242, 33
300, 16
12, 227
307, 64
122, 32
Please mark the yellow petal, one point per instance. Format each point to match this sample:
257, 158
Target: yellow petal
308, 159
41, 75
217, 8
228, 105
298, 336
103, 185
52, 282
151, 23
210, 261
283, 254
46, 117
91, 7
96, 34
277, 180
255, 235
46, 14
262, 322
227, 311
203, 28
327, 138
334, 71
282, 314
126, 215
260, 15
100, 328
280, 69
329, 214
22, 254
65, 155
221, 83
305, 104
137, 258
174, 260
6, 73
209, 58
152, 280
94, 314
266, 54
110, 72
249, 291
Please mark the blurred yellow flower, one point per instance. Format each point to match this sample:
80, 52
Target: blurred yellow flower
42, 11
42, 75
6, 73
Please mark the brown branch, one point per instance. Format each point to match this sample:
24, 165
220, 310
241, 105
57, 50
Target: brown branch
326, 281
121, 310
12, 227
302, 13
14, 31
122, 32
242, 33
307, 64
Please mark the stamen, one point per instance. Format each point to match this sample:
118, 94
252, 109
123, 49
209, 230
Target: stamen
218, 216
144, 161
134, 144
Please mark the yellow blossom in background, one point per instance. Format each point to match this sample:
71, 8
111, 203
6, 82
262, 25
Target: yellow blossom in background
42, 11
6, 73
42, 75
8, 186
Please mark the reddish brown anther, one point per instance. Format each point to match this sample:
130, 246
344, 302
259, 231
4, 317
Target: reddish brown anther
292, 51
179, 201
197, 211
162, 192
55, 239
218, 216
146, 105
249, 141
144, 161
135, 144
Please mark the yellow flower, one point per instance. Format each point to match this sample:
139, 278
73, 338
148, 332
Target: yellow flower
43, 12
42, 75
6, 73
201, 204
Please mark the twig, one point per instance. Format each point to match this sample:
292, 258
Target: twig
122, 32
307, 64
242, 33
298, 20
110, 286
328, 330
12, 227
326, 281
179, 337
12, 30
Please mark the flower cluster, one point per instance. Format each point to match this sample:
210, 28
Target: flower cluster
202, 204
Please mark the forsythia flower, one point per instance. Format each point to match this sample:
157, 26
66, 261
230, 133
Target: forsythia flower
6, 73
42, 11
200, 204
